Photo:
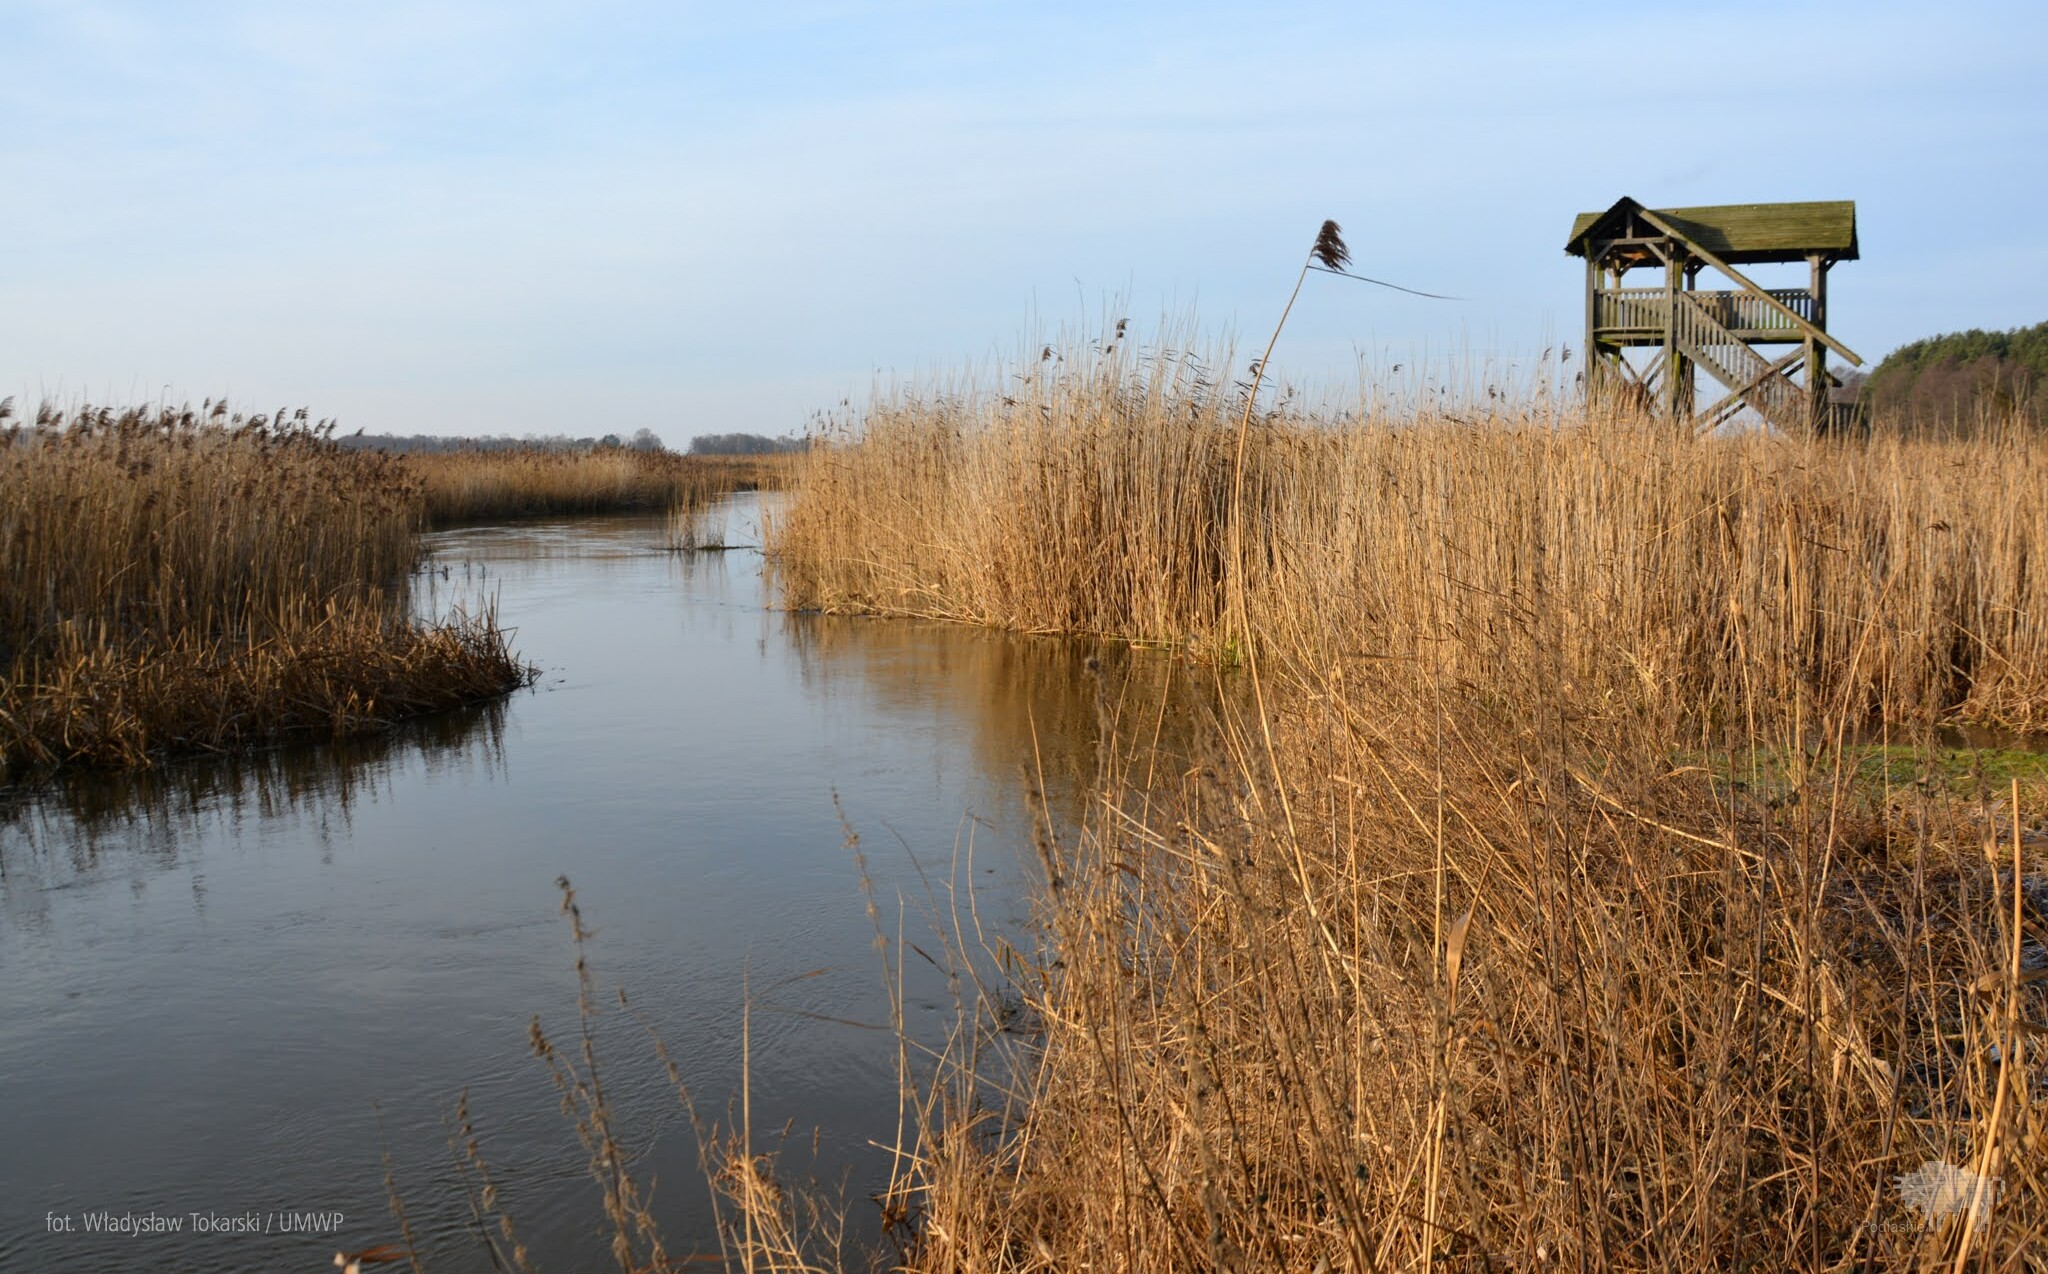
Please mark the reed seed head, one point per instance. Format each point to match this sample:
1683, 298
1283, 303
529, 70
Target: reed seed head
1330, 249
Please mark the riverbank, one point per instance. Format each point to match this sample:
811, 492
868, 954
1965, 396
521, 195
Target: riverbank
182, 583
1547, 903
1414, 971
460, 487
1101, 495
176, 583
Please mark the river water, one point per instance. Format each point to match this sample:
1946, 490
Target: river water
240, 989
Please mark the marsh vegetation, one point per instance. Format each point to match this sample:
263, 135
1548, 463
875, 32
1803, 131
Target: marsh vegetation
1537, 901
1097, 493
1564, 869
179, 581
1567, 868
478, 486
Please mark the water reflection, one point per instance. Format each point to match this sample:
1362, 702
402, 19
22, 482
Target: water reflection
232, 985
81, 822
1036, 708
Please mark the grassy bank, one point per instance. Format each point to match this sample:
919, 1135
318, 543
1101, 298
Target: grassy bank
1547, 902
172, 583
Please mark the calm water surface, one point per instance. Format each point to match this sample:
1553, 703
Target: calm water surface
232, 988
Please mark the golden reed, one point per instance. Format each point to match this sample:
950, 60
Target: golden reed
1092, 493
475, 486
1528, 899
1533, 906
174, 582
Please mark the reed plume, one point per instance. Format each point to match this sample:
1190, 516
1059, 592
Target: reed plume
1329, 249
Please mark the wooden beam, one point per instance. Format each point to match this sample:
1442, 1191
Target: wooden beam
1647, 378
1730, 407
1785, 365
1818, 405
1591, 349
1673, 277
1782, 368
1689, 277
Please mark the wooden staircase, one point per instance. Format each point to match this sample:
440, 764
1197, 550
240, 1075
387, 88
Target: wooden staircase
1753, 381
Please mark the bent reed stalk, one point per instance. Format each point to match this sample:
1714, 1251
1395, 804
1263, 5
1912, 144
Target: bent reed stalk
178, 582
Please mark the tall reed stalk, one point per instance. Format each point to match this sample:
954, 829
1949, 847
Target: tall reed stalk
1690, 1010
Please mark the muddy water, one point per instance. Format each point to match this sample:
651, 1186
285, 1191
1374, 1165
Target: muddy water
230, 991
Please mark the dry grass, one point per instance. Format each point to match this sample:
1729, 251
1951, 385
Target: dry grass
170, 583
1429, 979
1525, 908
1093, 495
478, 486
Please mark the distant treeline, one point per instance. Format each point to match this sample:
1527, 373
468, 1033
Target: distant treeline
736, 444
743, 445
431, 444
1954, 379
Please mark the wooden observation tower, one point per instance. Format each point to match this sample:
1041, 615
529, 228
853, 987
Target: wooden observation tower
1720, 333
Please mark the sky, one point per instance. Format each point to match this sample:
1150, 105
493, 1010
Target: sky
513, 216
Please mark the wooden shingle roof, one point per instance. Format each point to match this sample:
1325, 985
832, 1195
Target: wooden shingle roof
1745, 232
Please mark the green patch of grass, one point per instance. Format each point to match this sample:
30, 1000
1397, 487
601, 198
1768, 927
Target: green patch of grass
1959, 771
1872, 770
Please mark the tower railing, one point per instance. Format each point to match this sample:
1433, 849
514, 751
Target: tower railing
1644, 310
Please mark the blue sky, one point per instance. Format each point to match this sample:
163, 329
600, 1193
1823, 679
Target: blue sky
512, 216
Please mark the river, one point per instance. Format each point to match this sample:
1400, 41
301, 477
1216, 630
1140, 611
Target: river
231, 990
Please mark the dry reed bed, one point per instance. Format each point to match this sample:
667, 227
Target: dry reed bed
1525, 912
172, 582
474, 486
1441, 979
1096, 497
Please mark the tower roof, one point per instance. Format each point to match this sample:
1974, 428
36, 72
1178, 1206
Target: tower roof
1740, 233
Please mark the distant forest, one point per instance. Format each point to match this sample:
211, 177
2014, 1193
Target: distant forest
642, 440
743, 445
1950, 380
